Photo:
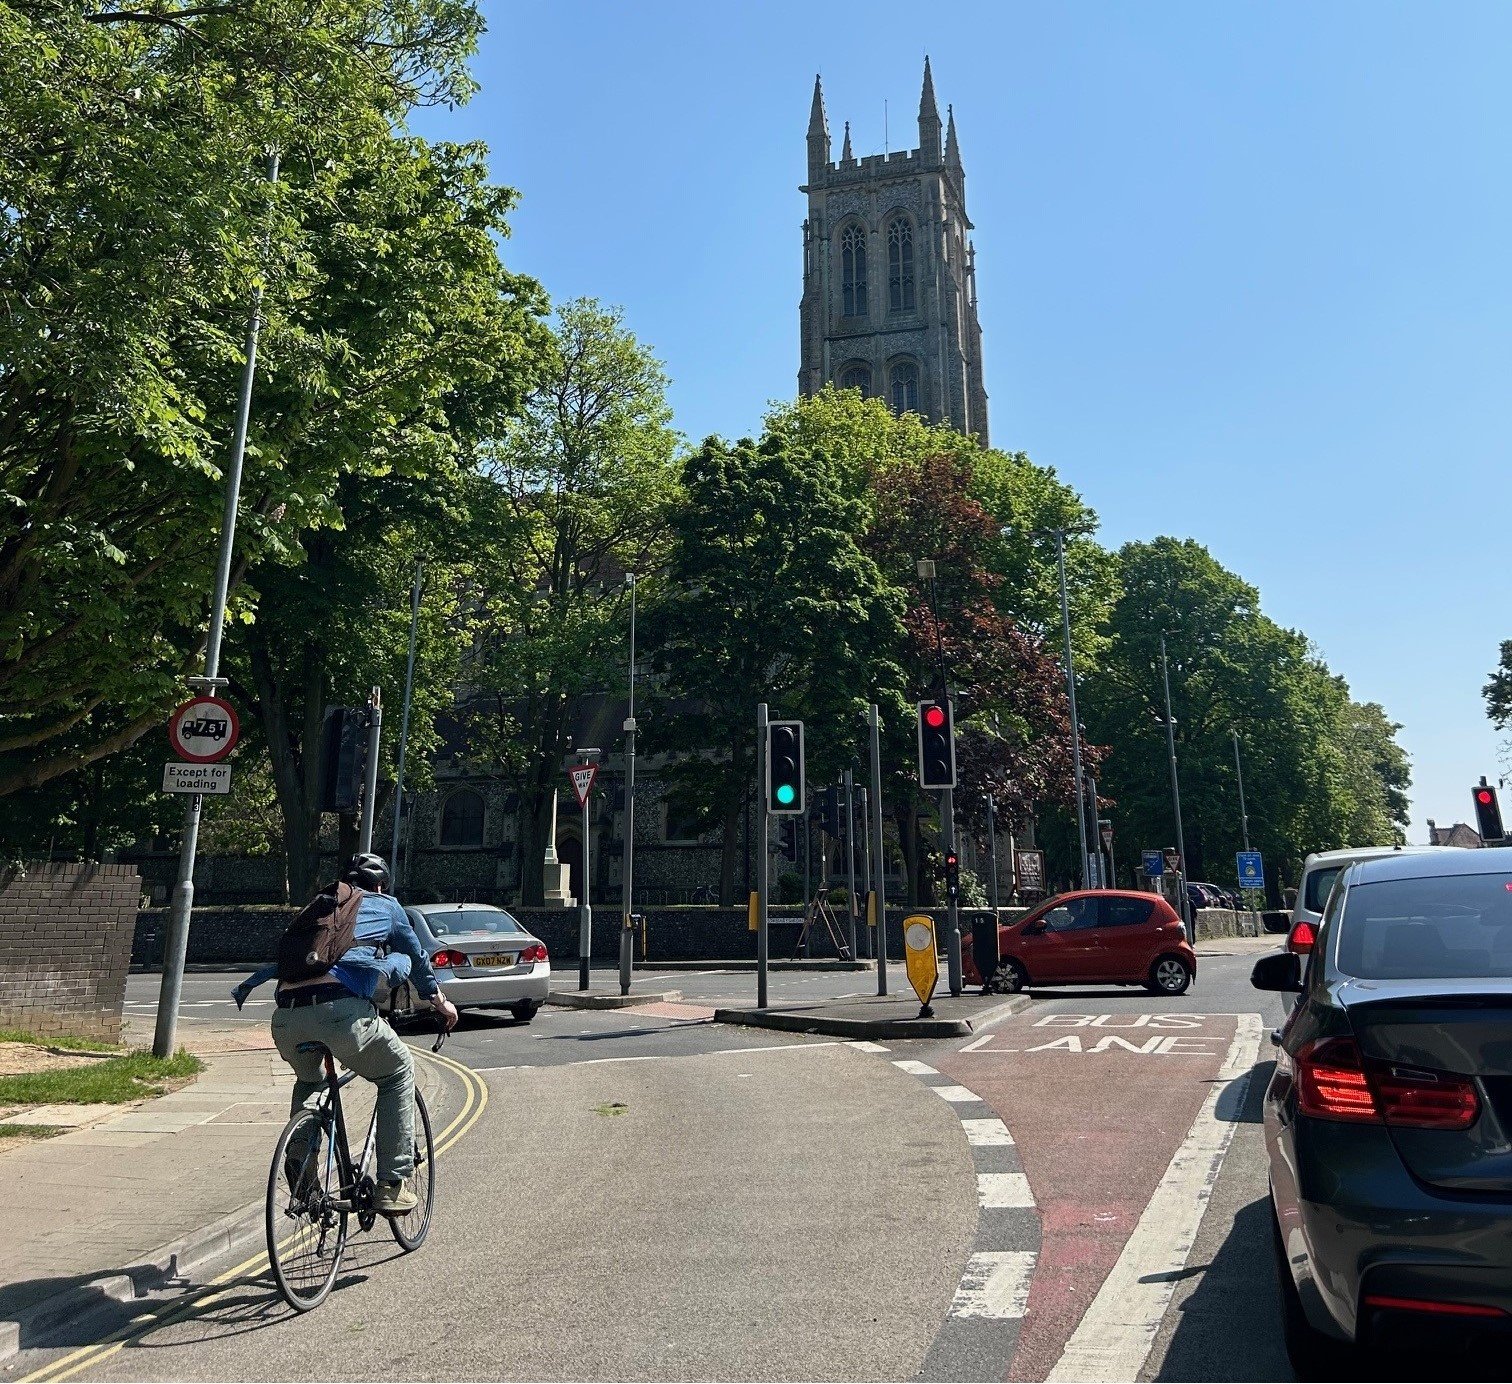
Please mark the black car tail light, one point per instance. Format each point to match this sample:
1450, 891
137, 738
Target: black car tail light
1333, 1083
1431, 1305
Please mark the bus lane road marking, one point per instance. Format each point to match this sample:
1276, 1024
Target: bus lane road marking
1147, 1035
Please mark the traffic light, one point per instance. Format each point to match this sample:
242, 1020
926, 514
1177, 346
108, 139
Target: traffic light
937, 766
1488, 818
343, 758
785, 766
828, 803
953, 875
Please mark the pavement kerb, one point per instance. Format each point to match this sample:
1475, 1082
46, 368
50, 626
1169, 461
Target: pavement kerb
589, 999
861, 1029
745, 965
173, 1259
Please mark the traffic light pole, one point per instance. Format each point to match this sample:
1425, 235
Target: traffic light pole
370, 779
879, 890
952, 910
992, 847
866, 866
850, 855
404, 720
1183, 900
1076, 754
627, 878
1239, 772
763, 854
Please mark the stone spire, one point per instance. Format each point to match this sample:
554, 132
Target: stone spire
929, 119
952, 148
845, 149
818, 135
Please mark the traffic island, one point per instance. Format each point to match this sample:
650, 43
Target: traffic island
879, 1017
591, 999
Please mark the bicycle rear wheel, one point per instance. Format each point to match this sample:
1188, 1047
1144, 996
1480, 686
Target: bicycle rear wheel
411, 1229
306, 1220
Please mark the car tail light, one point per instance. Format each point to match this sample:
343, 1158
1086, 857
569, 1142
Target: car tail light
536, 951
1334, 1084
1331, 1082
1445, 1309
448, 959
1303, 935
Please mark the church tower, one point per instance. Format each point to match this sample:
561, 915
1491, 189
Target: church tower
889, 278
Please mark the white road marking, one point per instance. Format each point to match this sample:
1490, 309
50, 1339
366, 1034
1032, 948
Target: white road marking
956, 1094
907, 1064
866, 1046
996, 1191
1114, 1337
995, 1285
976, 1043
987, 1133
665, 1056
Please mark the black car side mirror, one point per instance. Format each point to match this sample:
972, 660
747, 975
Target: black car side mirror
1279, 971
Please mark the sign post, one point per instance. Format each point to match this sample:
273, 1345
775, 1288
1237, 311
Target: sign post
582, 776
1153, 863
1251, 870
921, 960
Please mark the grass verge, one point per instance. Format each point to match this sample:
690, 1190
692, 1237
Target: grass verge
26, 1131
64, 1041
132, 1077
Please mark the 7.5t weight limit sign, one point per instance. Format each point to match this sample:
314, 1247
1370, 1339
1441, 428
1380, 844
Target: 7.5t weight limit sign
203, 730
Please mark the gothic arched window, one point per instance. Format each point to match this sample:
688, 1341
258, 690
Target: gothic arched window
853, 271
857, 377
900, 266
903, 387
462, 819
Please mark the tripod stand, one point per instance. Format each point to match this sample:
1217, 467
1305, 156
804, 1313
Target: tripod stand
818, 910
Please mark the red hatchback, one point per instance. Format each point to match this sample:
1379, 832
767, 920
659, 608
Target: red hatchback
1098, 936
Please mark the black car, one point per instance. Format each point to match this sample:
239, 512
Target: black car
1388, 1122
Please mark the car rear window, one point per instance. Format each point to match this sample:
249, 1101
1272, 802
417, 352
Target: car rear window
1319, 883
471, 922
1450, 926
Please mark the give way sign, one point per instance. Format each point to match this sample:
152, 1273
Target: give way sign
582, 781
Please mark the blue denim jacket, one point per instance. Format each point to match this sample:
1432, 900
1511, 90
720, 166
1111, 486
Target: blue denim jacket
381, 922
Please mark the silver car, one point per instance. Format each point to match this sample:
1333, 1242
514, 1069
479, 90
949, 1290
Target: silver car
483, 958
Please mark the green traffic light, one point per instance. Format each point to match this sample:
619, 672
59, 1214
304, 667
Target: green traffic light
786, 793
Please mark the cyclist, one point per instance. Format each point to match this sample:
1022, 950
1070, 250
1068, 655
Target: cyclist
337, 1011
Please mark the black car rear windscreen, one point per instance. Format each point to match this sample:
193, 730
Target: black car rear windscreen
1446, 927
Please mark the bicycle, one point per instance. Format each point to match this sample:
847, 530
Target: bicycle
315, 1187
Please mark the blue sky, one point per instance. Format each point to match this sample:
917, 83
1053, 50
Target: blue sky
1245, 270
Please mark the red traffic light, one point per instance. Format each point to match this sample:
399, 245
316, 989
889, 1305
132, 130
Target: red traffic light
934, 717
1483, 796
951, 860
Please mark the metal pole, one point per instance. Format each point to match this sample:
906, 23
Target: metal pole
763, 862
1076, 755
1096, 835
850, 855
176, 943
370, 778
866, 859
992, 846
585, 906
879, 889
1239, 770
1186, 911
627, 941
409, 687
952, 911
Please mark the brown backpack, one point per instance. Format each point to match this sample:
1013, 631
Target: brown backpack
321, 935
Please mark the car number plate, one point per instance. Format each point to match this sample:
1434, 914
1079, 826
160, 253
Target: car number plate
494, 959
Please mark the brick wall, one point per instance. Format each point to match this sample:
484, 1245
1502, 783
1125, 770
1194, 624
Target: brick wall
65, 945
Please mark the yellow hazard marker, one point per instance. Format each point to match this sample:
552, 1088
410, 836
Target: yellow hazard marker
921, 959
753, 913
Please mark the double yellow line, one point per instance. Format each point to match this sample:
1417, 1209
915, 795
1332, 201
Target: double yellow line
475, 1098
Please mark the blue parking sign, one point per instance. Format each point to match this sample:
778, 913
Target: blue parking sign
1154, 863
1251, 870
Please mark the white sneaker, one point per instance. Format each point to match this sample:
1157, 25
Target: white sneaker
394, 1199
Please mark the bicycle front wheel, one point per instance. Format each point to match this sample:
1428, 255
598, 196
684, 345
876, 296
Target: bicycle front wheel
306, 1213
411, 1228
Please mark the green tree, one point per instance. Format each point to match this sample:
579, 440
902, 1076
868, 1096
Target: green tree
134, 215
584, 478
769, 598
1498, 695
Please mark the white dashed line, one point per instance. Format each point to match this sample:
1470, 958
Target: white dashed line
987, 1133
958, 1095
1001, 1191
908, 1065
995, 1285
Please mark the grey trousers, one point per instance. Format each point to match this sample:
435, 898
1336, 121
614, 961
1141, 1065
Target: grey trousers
363, 1043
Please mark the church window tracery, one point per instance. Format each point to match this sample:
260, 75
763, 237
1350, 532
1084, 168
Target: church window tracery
853, 271
857, 377
903, 387
900, 265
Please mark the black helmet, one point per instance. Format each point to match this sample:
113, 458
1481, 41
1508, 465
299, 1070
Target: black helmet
368, 871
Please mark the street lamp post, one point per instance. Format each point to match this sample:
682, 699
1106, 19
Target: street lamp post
627, 880
176, 944
992, 845
1076, 754
404, 720
1239, 772
1186, 910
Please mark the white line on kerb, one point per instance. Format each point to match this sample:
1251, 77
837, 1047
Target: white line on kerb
1003, 1191
907, 1064
987, 1133
995, 1285
1116, 1333
957, 1095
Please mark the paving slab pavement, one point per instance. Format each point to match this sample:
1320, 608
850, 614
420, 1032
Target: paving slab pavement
130, 1191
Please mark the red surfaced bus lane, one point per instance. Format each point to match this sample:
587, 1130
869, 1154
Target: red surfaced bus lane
1098, 1104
